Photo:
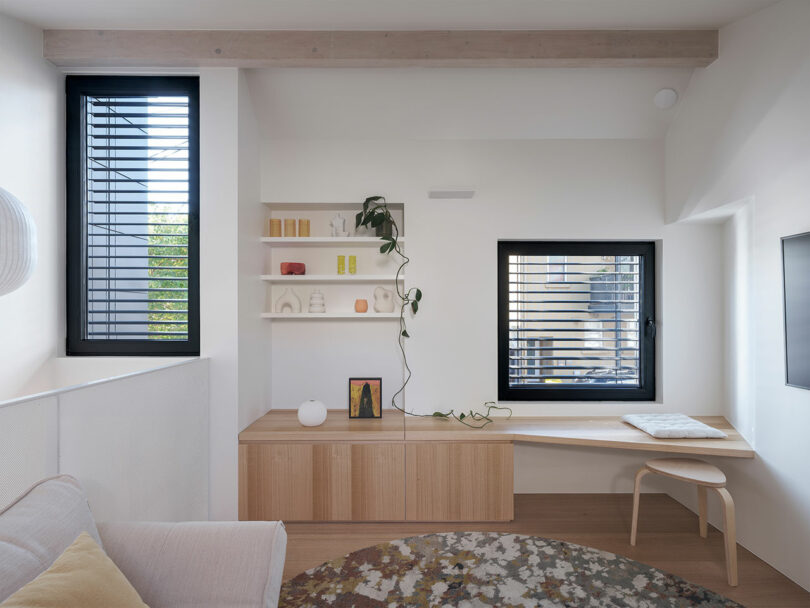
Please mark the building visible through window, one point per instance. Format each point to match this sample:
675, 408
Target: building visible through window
576, 320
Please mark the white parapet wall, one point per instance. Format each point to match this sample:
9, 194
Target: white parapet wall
138, 442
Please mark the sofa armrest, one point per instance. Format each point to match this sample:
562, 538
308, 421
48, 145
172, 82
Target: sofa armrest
200, 564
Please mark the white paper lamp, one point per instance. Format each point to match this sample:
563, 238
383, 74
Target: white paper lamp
18, 243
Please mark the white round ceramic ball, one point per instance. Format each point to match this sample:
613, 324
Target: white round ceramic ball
311, 413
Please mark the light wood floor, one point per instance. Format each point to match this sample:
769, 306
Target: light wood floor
668, 539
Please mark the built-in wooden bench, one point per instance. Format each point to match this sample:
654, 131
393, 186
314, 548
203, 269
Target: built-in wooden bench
418, 469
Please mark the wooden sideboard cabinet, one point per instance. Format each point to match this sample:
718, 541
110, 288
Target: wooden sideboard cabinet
422, 469
365, 470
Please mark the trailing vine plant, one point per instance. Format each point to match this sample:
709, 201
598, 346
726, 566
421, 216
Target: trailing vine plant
376, 214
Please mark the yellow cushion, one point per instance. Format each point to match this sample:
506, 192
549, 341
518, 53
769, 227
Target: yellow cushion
82, 577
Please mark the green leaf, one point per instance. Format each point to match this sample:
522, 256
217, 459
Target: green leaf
366, 204
462, 416
414, 306
384, 248
418, 295
405, 333
377, 220
357, 219
439, 415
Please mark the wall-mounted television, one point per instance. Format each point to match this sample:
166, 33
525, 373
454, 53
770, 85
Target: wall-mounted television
796, 272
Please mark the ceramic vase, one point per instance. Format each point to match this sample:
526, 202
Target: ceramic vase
311, 413
288, 302
361, 306
383, 300
338, 225
317, 303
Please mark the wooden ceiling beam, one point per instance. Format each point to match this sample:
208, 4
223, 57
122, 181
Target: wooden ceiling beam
478, 48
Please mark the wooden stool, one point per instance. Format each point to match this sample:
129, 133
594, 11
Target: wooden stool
704, 475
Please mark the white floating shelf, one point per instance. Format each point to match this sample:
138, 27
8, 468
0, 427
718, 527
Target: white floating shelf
314, 316
291, 241
330, 278
339, 206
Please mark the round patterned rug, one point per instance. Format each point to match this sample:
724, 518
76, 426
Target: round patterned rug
479, 569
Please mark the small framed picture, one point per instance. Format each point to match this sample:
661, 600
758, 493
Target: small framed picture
365, 397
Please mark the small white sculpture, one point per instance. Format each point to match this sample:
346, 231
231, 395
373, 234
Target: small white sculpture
288, 302
338, 224
311, 413
317, 302
383, 300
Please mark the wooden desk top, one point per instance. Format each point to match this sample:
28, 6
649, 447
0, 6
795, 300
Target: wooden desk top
602, 431
283, 425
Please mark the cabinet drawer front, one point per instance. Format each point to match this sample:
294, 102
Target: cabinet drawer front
459, 481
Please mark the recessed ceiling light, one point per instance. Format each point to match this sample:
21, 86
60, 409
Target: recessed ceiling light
665, 98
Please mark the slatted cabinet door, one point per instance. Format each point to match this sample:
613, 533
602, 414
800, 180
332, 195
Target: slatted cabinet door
459, 481
322, 481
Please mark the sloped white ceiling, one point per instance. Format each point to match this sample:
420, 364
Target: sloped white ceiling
379, 14
463, 103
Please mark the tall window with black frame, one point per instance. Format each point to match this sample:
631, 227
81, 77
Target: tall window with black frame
132, 215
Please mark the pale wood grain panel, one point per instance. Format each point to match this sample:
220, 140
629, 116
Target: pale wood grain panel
602, 431
283, 425
243, 483
322, 482
331, 482
278, 482
453, 481
378, 482
478, 48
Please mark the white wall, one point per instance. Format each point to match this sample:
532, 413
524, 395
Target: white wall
524, 189
755, 162
254, 332
232, 334
219, 314
137, 443
533, 190
32, 168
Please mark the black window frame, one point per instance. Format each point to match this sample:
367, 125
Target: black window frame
76, 88
646, 391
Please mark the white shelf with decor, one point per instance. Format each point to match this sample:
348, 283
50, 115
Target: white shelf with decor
333, 241
331, 278
319, 251
323, 316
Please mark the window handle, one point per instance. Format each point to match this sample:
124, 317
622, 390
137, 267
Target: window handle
651, 328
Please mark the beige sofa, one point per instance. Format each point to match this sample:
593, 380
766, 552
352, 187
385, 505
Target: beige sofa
172, 565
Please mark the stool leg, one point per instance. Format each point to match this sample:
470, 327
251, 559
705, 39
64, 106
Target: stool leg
636, 492
730, 533
702, 509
